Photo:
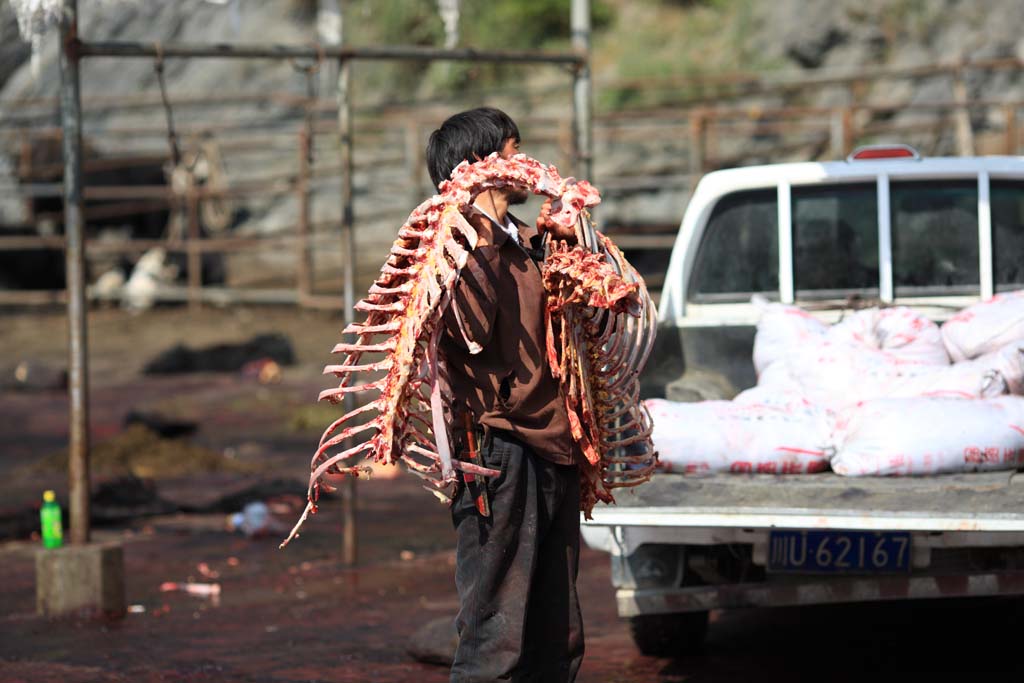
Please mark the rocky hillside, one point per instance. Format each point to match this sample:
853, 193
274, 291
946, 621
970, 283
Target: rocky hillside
646, 55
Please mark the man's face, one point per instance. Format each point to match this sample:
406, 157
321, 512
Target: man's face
511, 148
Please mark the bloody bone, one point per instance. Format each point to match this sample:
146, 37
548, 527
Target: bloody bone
597, 355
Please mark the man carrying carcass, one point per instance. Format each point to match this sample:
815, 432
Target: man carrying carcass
517, 534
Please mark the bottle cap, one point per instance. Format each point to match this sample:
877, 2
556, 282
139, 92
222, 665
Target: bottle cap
49, 496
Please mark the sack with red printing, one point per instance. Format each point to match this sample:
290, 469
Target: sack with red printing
985, 326
900, 333
840, 374
722, 436
782, 331
921, 436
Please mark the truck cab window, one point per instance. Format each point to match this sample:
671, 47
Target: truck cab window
1007, 199
739, 252
835, 240
935, 237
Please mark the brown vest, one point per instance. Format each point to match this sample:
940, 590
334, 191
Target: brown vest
508, 385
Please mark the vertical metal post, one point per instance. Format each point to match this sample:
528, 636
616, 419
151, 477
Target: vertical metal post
582, 100
848, 133
414, 161
787, 286
74, 229
837, 144
303, 267
1011, 137
195, 257
886, 289
962, 115
698, 126
986, 264
349, 542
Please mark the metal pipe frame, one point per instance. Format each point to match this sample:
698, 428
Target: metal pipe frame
73, 50
337, 52
74, 231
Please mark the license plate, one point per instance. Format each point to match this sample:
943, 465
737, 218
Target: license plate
832, 552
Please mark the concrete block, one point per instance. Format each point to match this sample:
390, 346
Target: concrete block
78, 578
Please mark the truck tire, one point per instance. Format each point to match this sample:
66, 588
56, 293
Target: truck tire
667, 635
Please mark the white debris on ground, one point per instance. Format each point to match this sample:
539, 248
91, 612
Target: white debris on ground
875, 394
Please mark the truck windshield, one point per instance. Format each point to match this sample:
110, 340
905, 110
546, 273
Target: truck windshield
1007, 197
739, 253
935, 237
835, 240
935, 241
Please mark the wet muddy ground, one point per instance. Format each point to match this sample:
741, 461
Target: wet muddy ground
297, 614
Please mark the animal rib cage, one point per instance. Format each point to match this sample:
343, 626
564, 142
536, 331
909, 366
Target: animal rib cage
600, 329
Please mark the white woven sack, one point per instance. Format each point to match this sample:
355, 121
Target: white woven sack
783, 331
899, 332
721, 436
921, 436
985, 327
841, 374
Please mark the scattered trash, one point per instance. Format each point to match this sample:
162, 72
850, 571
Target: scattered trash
50, 521
166, 427
136, 609
222, 357
205, 571
127, 497
108, 286
255, 520
31, 375
202, 590
265, 370
282, 496
141, 452
150, 274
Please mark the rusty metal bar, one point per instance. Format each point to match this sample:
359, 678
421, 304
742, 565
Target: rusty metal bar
698, 127
195, 258
303, 266
219, 296
582, 104
961, 115
1012, 135
413, 160
342, 54
822, 78
131, 246
74, 230
350, 544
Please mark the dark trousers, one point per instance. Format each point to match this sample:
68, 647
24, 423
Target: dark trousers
519, 618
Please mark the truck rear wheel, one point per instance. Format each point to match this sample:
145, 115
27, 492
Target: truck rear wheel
666, 635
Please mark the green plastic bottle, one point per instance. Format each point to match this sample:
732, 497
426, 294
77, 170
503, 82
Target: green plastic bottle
50, 519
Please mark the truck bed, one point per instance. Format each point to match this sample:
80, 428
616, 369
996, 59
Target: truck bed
991, 501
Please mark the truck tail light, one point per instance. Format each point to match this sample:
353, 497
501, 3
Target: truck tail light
869, 152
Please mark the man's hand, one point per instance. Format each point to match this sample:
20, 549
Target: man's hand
546, 225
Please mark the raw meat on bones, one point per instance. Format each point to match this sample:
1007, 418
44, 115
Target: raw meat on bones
600, 324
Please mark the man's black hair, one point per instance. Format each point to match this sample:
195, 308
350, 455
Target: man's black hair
467, 135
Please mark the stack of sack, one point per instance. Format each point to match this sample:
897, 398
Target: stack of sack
882, 392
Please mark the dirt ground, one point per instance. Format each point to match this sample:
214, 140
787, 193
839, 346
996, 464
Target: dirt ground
298, 614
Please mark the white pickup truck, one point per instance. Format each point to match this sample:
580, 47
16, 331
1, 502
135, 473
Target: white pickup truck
884, 226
